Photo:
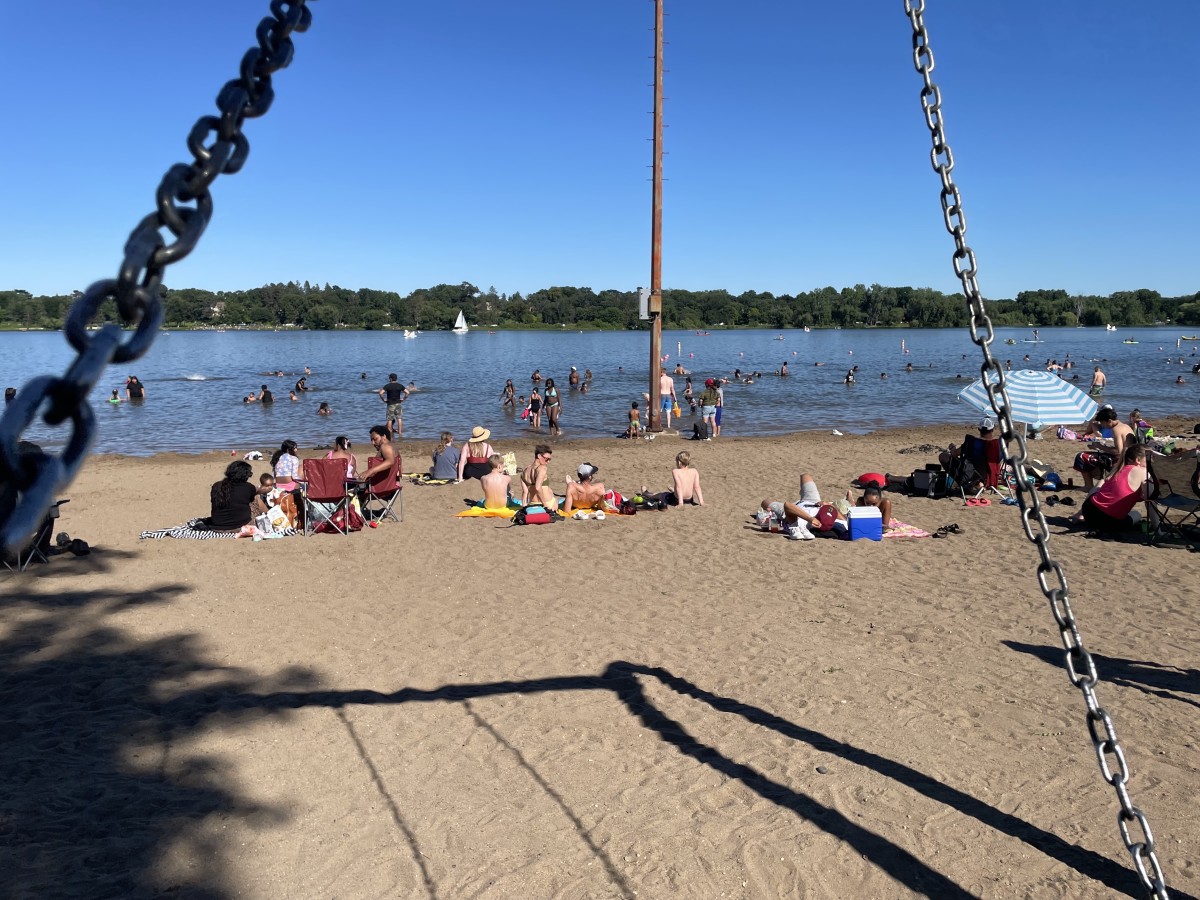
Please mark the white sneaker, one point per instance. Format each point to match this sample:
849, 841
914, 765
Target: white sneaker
580, 514
599, 515
799, 532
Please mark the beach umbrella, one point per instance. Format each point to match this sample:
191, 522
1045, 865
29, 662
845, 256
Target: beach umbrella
1038, 398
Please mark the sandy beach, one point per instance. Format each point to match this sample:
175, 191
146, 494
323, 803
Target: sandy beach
672, 705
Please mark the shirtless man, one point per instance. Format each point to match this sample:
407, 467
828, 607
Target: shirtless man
534, 487
686, 484
495, 484
1099, 380
584, 493
666, 390
381, 441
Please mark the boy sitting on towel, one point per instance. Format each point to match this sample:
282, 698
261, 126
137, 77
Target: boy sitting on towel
495, 484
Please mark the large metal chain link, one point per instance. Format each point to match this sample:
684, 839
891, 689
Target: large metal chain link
29, 482
1081, 669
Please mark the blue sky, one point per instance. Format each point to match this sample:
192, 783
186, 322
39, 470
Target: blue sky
506, 144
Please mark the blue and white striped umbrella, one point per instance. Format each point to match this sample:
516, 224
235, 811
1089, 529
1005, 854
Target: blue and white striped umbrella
1038, 398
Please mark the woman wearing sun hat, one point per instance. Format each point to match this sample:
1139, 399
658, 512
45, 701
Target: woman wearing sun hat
473, 462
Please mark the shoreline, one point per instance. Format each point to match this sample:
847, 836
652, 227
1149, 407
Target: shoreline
1181, 426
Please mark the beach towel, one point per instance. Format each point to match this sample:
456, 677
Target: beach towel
904, 530
479, 512
423, 478
196, 530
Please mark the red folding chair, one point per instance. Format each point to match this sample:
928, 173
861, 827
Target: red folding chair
326, 501
383, 491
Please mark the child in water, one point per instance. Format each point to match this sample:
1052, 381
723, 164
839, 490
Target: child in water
115, 398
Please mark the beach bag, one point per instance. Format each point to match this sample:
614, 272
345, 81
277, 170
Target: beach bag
531, 515
675, 409
287, 505
700, 431
510, 463
613, 501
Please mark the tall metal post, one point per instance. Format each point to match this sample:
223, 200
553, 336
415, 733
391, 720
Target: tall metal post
654, 417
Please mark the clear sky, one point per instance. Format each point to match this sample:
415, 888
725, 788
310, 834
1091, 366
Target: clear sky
506, 144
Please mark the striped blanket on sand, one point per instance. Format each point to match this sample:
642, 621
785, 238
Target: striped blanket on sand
196, 530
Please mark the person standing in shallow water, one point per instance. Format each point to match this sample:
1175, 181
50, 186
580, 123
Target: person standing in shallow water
394, 394
553, 406
508, 395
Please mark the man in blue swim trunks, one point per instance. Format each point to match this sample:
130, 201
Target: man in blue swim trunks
666, 389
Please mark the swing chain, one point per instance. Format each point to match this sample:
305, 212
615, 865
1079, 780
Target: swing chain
1081, 668
29, 481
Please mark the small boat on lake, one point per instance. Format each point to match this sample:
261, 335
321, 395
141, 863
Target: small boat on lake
1129, 341
460, 324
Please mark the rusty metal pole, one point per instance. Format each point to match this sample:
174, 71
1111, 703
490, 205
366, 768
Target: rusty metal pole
654, 418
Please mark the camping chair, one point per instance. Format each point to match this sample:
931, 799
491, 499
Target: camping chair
1173, 502
38, 545
986, 459
382, 491
325, 496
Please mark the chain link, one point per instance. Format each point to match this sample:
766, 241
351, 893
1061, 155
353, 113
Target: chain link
30, 481
1081, 669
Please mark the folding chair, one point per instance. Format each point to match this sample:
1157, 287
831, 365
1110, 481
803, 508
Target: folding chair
38, 545
1173, 502
990, 469
382, 491
325, 496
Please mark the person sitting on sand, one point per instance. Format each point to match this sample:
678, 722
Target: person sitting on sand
873, 496
496, 485
584, 493
808, 514
445, 459
231, 498
685, 485
473, 460
534, 486
1110, 508
1095, 463
267, 494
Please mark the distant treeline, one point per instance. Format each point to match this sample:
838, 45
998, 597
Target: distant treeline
435, 308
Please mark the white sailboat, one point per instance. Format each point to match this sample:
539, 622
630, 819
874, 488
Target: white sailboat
460, 324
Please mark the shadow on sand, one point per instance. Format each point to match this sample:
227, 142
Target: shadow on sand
93, 797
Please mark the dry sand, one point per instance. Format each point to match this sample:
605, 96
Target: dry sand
669, 705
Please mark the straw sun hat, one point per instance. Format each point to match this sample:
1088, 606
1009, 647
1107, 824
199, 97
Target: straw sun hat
479, 433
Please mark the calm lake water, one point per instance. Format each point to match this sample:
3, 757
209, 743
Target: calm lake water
196, 380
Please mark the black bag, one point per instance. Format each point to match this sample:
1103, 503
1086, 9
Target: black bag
700, 432
929, 483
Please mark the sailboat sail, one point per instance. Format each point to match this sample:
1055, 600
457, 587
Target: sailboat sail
460, 324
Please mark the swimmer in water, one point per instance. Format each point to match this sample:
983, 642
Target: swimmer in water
324, 410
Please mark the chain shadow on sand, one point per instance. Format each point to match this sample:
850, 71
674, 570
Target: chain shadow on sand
622, 679
97, 800
1168, 682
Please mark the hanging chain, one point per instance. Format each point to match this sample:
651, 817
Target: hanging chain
30, 481
1081, 669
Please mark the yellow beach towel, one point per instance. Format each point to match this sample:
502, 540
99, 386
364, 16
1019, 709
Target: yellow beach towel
479, 512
